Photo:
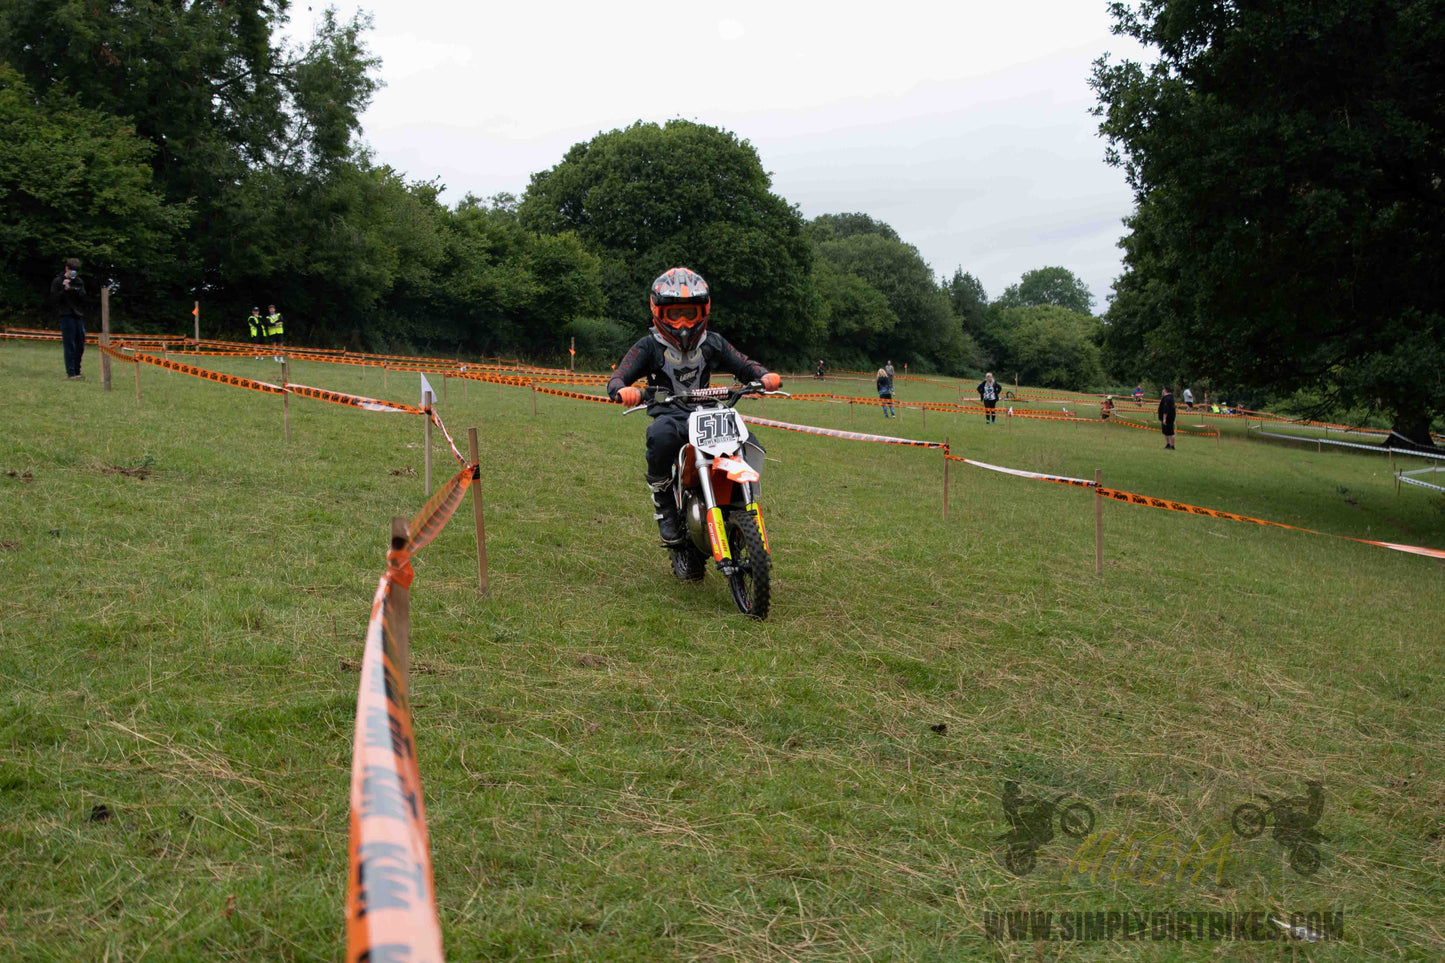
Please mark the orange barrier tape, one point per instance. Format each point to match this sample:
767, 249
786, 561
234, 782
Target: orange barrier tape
579, 395
235, 381
1134, 498
390, 896
439, 509
390, 890
355, 401
436, 419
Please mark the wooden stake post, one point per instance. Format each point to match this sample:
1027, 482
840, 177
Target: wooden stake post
945, 478
477, 514
398, 605
286, 399
1098, 522
426, 402
105, 336
136, 365
197, 314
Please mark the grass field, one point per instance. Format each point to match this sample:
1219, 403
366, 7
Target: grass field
619, 766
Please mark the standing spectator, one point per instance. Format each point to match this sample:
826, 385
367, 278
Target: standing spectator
1166, 416
67, 292
274, 326
1188, 399
256, 325
889, 368
988, 391
885, 393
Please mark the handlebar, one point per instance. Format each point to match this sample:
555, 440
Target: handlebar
727, 397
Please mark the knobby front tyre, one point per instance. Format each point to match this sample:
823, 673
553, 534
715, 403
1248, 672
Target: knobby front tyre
751, 580
688, 564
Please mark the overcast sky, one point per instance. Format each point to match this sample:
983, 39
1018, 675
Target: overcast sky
964, 125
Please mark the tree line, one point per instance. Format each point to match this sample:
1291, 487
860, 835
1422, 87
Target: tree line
1281, 249
186, 154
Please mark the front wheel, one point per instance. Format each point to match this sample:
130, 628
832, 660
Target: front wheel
688, 564
1247, 820
752, 569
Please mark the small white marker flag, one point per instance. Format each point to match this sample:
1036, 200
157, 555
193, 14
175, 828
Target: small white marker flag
425, 387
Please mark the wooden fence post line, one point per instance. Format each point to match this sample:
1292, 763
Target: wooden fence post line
197, 314
534, 399
850, 412
477, 513
925, 419
1098, 522
398, 606
426, 441
105, 337
286, 399
572, 356
135, 363
383, 377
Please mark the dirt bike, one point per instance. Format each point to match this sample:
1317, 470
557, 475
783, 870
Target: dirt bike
715, 479
1032, 826
1293, 829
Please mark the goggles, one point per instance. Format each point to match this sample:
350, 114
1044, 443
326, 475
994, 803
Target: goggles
682, 315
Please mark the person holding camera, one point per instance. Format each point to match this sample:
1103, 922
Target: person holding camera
67, 293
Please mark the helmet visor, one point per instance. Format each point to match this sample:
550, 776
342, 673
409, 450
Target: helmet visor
682, 315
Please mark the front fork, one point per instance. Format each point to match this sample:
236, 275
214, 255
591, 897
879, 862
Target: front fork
716, 531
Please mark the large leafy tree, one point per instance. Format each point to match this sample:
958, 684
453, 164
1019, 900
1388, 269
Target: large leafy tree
241, 130
74, 182
1051, 346
926, 331
969, 301
1049, 285
1286, 160
651, 196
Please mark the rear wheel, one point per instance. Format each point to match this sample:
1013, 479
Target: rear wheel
688, 564
750, 580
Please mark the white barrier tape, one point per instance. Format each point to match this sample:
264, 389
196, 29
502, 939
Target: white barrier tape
1063, 479
1421, 484
1377, 449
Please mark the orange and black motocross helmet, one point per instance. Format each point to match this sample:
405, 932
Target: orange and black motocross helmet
680, 307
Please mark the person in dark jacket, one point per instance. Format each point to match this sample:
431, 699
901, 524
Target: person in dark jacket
67, 293
1166, 416
988, 390
677, 355
885, 393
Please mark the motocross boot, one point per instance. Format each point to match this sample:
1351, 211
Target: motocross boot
669, 522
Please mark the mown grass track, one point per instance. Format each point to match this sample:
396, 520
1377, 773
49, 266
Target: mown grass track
619, 766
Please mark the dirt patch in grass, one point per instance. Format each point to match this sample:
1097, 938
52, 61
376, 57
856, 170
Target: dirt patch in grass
138, 471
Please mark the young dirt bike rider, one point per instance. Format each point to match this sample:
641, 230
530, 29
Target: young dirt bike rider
677, 355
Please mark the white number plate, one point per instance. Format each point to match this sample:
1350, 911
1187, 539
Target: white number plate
716, 431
